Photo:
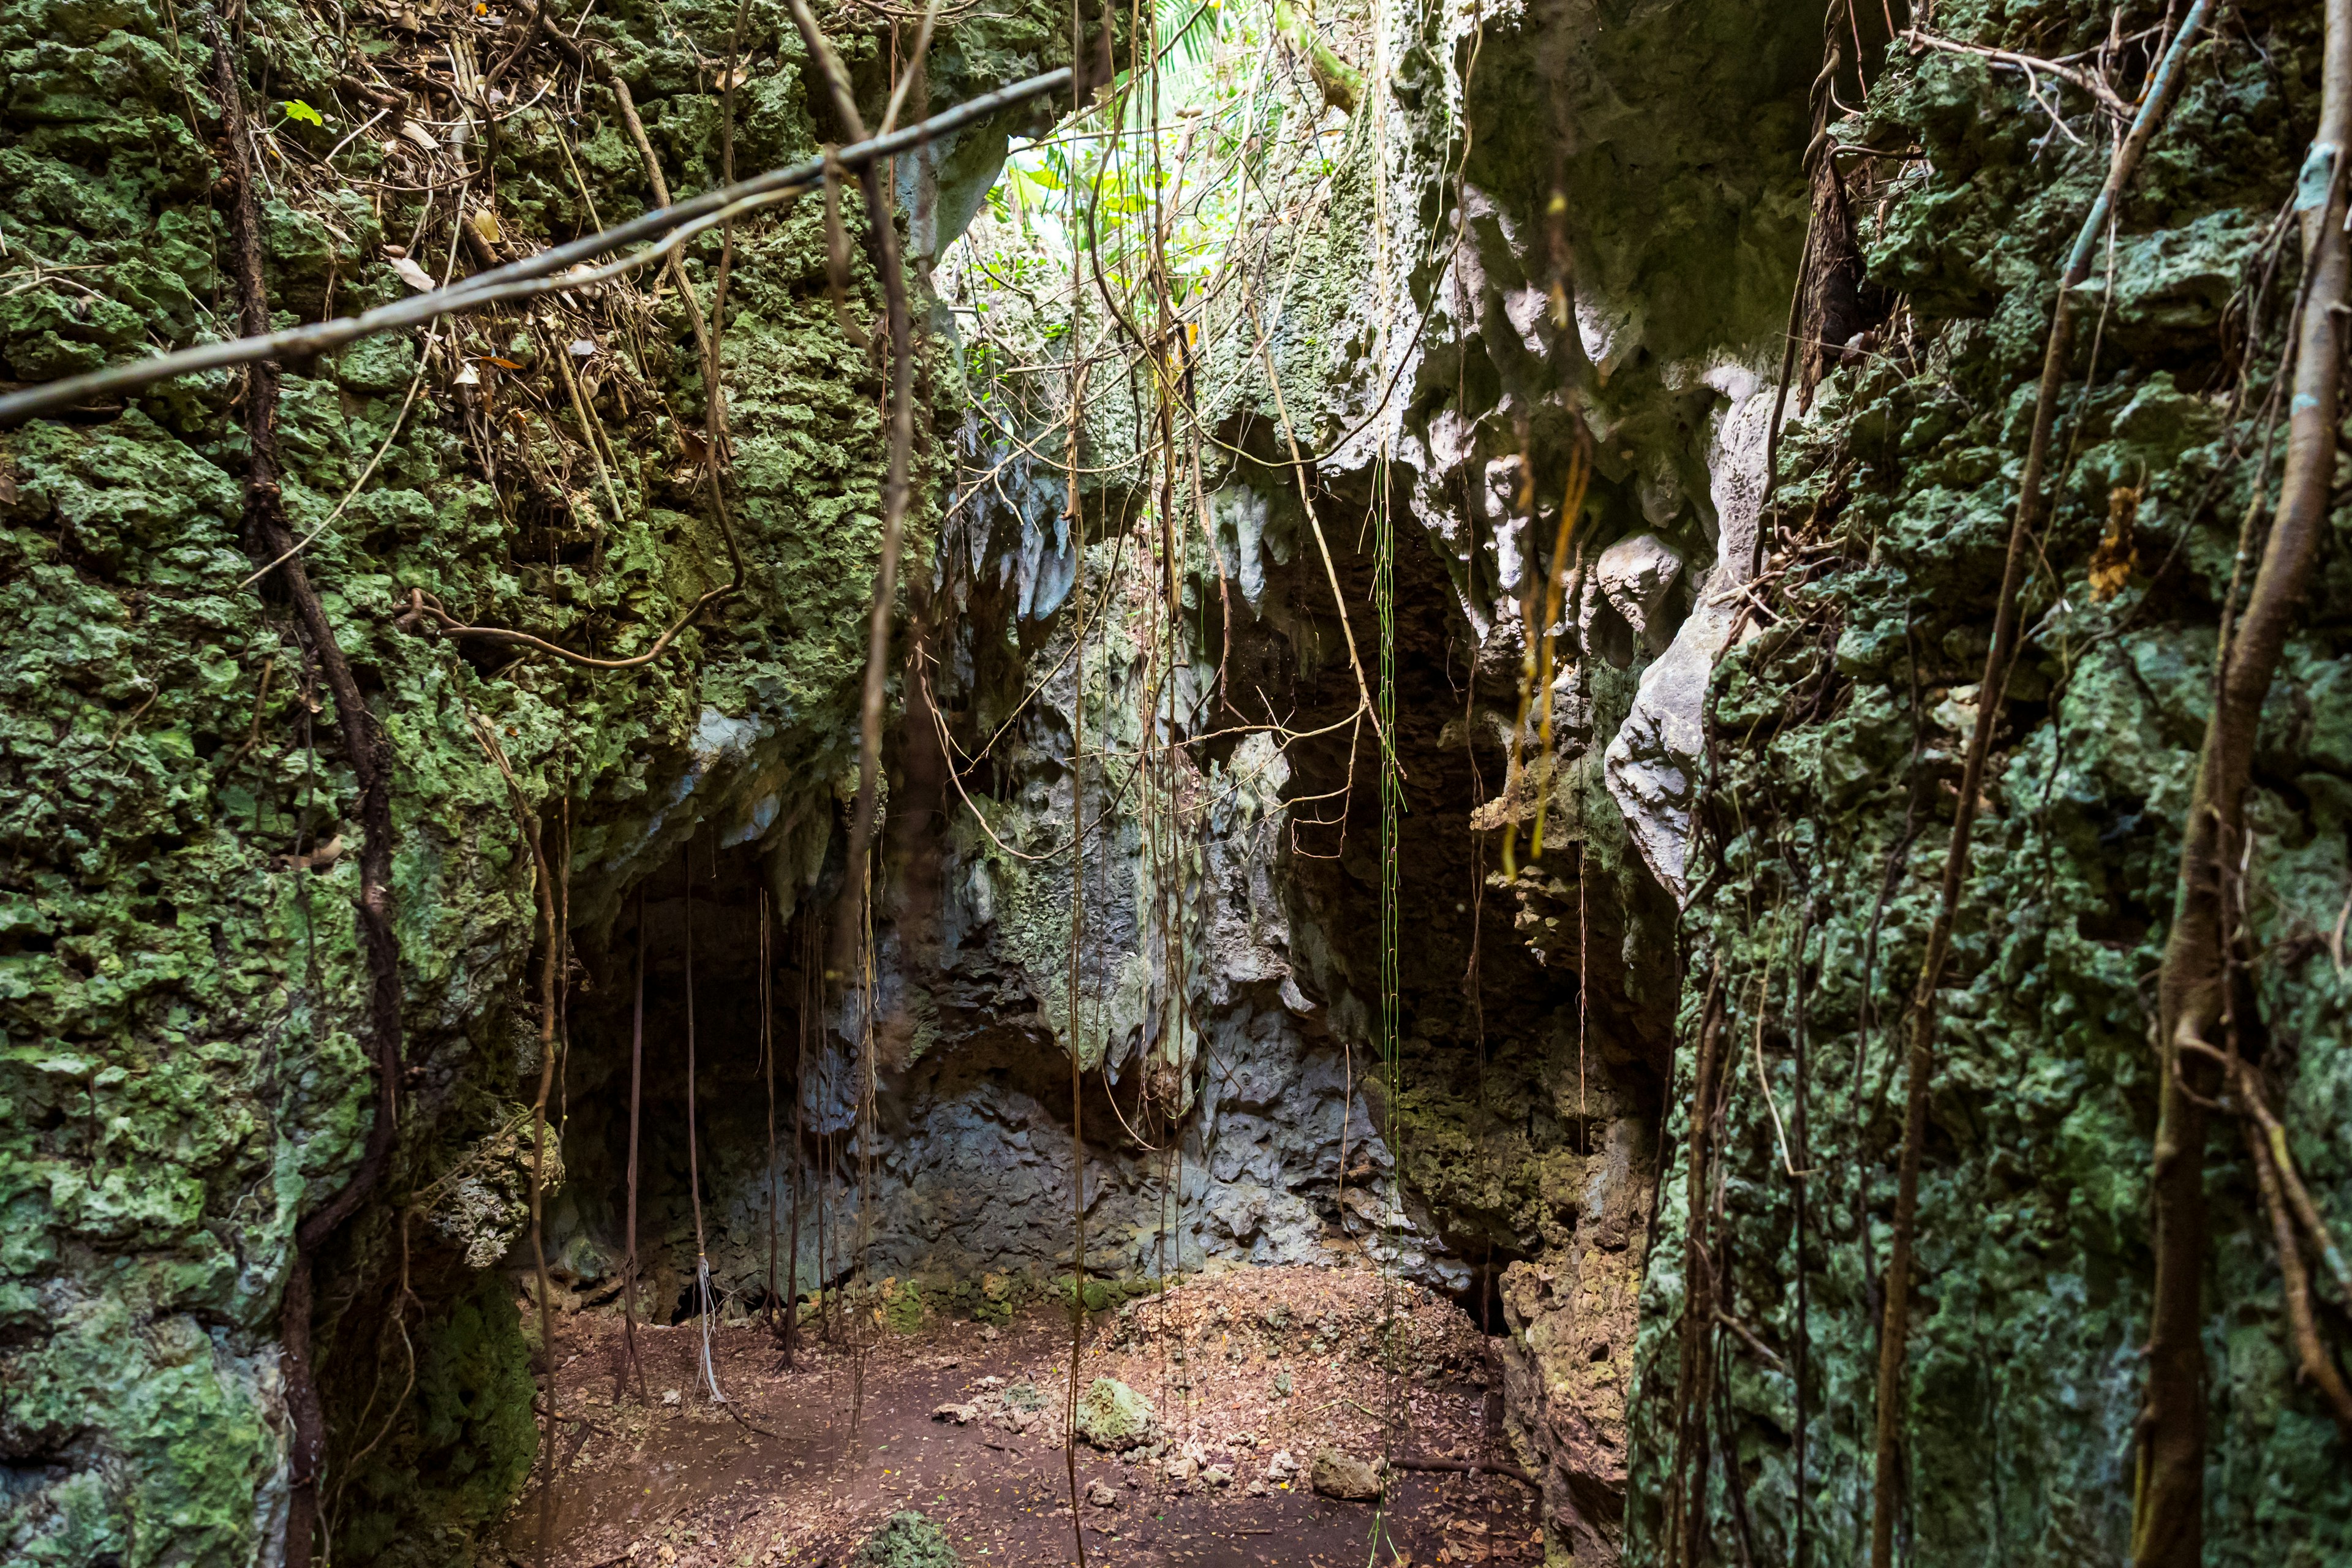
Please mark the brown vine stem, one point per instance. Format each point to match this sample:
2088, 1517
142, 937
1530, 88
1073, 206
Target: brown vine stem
2248, 1089
885, 232
1686, 1495
630, 1363
719, 446
371, 763
552, 939
1364, 706
1078, 933
2193, 985
2302, 1330
800, 1132
2285, 1202
2031, 502
768, 1071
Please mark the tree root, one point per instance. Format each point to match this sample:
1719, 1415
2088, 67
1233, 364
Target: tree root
269, 539
1467, 1467
2168, 1524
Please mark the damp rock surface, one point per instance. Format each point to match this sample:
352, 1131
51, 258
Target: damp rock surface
907, 1540
1113, 1415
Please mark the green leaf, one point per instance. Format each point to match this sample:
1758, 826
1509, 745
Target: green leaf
298, 110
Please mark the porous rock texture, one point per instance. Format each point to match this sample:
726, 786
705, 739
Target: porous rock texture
184, 1072
1835, 728
1576, 231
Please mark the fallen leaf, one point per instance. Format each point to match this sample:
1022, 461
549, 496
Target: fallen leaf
413, 275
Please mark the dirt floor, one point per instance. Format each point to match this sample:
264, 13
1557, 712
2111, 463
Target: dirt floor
1248, 1375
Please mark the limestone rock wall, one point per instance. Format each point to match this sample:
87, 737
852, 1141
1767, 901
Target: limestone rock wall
183, 1076
1835, 730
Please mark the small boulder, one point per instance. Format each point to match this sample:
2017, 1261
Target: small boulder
961, 1414
1634, 575
1100, 1495
906, 1539
1113, 1415
1282, 1467
1216, 1476
1183, 1469
1337, 1474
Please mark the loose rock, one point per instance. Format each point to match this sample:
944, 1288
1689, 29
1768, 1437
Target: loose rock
1337, 1474
908, 1540
1113, 1415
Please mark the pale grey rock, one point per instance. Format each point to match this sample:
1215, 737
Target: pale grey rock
1636, 574
1652, 764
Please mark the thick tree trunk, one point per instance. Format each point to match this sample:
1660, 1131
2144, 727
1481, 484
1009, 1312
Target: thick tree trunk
2168, 1528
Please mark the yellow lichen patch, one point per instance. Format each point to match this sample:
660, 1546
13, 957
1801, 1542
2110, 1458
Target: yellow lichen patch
2113, 563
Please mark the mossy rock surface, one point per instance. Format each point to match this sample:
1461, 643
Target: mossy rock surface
906, 1539
902, 1306
1113, 1415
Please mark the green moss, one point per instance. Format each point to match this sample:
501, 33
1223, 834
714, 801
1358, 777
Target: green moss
907, 1540
1113, 1415
183, 1073
466, 1444
2034, 1254
902, 1308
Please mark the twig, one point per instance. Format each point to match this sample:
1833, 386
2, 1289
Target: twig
1331, 572
589, 427
530, 276
885, 234
1746, 1336
423, 605
2089, 81
415, 381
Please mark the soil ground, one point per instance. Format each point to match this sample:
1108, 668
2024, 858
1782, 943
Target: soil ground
1248, 1374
